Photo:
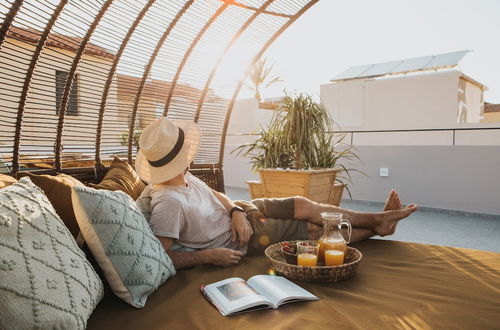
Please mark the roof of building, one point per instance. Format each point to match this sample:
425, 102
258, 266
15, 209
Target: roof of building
71, 43
432, 62
490, 107
128, 85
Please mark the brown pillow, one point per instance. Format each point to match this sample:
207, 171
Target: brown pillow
58, 191
6, 180
121, 176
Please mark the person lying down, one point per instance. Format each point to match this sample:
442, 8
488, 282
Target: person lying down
198, 225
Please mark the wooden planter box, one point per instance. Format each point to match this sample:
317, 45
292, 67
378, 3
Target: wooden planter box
317, 185
338, 190
256, 189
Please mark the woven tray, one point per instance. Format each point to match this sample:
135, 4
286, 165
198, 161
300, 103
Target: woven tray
321, 274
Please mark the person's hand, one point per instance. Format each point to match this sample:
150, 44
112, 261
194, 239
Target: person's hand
240, 228
223, 257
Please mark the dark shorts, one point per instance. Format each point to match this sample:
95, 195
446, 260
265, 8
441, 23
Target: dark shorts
272, 222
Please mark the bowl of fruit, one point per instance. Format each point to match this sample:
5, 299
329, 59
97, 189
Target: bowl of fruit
289, 250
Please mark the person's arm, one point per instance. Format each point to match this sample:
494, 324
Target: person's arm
240, 227
219, 257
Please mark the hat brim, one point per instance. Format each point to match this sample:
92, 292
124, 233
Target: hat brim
151, 174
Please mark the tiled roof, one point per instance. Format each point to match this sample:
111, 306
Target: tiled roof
70, 43
129, 84
490, 107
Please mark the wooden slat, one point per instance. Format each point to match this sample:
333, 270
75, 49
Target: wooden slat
126, 59
320, 198
317, 178
336, 194
290, 190
321, 188
256, 189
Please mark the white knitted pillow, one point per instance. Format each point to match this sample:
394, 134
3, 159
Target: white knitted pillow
45, 279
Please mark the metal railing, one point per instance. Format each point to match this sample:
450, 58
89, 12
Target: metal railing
452, 130
352, 133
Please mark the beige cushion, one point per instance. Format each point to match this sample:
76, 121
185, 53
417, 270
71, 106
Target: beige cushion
6, 180
121, 176
58, 191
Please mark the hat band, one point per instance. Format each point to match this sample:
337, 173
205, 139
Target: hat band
171, 155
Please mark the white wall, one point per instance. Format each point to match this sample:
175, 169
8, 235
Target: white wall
346, 102
474, 102
406, 102
463, 178
40, 117
424, 167
247, 116
245, 119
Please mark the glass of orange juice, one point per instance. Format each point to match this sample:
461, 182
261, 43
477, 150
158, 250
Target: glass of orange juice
307, 253
334, 257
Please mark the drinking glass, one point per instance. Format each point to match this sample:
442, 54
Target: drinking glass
307, 253
334, 257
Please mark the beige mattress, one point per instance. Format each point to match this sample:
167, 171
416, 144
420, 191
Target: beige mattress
398, 286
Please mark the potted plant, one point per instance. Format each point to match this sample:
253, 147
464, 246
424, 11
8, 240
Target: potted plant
299, 154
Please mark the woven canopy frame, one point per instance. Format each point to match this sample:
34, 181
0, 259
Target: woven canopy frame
114, 66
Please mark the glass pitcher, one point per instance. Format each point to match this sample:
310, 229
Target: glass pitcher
332, 237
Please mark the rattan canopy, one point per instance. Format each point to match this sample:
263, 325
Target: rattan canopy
81, 78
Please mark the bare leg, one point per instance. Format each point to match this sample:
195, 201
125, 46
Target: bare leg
358, 234
379, 223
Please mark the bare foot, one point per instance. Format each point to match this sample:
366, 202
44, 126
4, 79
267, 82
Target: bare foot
393, 201
388, 220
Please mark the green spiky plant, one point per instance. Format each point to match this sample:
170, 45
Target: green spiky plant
301, 136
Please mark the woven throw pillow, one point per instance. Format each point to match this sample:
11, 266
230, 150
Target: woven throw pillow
132, 259
45, 280
6, 180
58, 191
121, 176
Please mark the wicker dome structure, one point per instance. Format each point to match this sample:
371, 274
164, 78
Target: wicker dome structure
80, 79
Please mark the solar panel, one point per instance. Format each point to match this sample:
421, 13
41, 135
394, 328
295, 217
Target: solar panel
353, 71
413, 64
402, 66
448, 59
381, 69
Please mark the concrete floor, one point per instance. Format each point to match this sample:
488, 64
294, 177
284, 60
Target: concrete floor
429, 226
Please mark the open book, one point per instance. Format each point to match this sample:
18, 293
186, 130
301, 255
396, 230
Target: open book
235, 295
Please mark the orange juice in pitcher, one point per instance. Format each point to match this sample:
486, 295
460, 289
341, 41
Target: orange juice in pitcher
332, 238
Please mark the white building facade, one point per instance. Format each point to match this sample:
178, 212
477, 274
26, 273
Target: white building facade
440, 99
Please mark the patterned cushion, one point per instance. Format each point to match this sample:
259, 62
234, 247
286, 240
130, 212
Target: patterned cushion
121, 176
45, 280
131, 257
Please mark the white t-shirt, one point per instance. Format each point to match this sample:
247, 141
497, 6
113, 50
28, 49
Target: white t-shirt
192, 215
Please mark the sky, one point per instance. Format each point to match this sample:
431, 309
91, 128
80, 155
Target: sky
334, 35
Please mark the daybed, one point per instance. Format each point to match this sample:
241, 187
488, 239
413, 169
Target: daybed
397, 285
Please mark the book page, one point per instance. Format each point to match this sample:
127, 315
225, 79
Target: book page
279, 289
234, 295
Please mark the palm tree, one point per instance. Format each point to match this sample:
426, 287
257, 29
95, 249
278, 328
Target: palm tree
260, 75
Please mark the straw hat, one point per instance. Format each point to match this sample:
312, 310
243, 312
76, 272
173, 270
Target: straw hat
167, 147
